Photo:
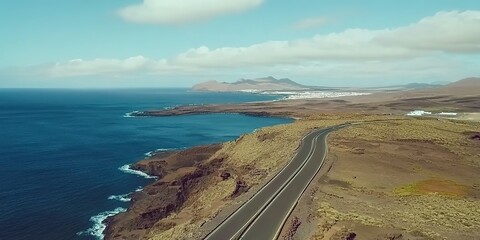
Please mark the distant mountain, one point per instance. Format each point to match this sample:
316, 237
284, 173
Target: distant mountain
421, 85
412, 86
466, 82
441, 82
258, 84
461, 88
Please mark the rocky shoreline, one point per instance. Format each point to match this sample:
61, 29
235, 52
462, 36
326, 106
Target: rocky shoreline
212, 109
179, 173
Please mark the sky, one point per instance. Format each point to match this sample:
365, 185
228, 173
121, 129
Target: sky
172, 43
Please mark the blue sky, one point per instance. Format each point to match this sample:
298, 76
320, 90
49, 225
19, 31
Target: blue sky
170, 43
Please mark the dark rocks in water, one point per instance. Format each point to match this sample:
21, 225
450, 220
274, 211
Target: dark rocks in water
162, 163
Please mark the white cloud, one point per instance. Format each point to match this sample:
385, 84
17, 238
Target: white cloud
445, 31
434, 46
174, 12
449, 32
79, 67
114, 67
350, 45
311, 22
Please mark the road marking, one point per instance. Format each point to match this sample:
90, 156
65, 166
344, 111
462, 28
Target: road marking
282, 188
263, 187
279, 230
265, 205
285, 187
272, 198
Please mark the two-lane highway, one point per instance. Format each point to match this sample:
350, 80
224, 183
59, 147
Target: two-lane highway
264, 214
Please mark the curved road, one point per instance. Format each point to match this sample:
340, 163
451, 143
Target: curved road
264, 214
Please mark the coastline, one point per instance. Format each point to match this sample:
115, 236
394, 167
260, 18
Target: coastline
201, 194
193, 203
177, 174
464, 100
172, 187
152, 167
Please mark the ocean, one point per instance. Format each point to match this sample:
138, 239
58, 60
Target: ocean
62, 152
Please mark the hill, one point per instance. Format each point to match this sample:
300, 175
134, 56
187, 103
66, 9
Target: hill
461, 88
465, 83
258, 84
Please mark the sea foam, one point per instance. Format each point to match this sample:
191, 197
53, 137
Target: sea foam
151, 153
98, 226
121, 197
126, 169
130, 114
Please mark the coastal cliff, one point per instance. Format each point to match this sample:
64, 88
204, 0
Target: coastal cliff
179, 173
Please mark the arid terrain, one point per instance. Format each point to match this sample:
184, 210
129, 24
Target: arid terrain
388, 176
461, 96
398, 179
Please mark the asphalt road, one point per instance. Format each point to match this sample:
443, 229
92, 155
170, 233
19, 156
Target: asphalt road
264, 214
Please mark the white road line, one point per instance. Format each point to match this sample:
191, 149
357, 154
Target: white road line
261, 189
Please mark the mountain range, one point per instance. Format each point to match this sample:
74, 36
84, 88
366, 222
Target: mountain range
271, 83
258, 84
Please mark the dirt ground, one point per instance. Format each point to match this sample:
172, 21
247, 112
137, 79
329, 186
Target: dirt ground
388, 177
395, 187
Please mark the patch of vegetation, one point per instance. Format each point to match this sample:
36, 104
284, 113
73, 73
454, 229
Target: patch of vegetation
433, 186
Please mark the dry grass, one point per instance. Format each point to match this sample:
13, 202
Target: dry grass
253, 158
257, 156
439, 131
449, 213
424, 170
448, 134
433, 186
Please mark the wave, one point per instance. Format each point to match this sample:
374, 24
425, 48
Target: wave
151, 153
121, 197
126, 169
98, 226
131, 114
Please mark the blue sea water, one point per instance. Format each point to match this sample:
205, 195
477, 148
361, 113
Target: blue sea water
60, 151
